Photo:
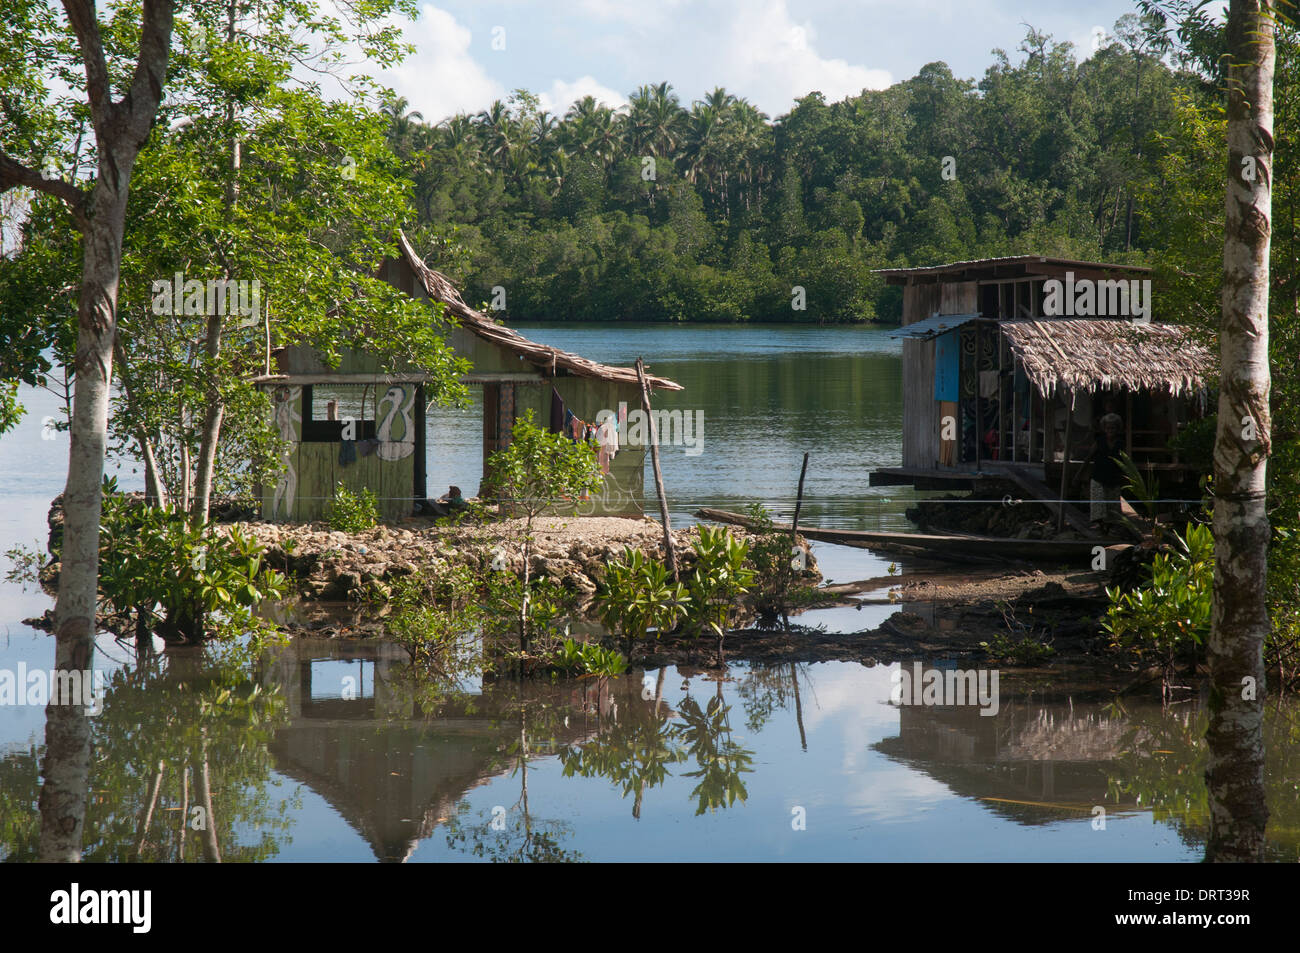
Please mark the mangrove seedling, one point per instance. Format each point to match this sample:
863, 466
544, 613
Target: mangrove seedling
638, 594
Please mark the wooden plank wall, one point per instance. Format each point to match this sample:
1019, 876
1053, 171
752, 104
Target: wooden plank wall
316, 472
921, 419
920, 411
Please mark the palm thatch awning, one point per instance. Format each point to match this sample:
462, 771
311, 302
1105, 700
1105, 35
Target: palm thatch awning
547, 359
1080, 354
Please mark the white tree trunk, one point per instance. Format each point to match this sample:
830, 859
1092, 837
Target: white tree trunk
1235, 773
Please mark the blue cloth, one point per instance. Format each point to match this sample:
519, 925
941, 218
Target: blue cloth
947, 352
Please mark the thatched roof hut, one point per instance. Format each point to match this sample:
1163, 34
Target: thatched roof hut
1079, 355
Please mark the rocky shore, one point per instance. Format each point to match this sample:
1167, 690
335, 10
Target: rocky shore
329, 565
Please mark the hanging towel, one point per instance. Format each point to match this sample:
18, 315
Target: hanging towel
988, 383
571, 423
347, 452
368, 446
558, 410
606, 443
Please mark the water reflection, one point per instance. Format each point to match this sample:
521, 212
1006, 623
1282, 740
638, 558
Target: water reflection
179, 770
198, 761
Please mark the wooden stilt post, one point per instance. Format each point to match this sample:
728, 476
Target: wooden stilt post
798, 502
654, 462
1065, 462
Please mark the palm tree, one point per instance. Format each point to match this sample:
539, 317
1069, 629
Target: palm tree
499, 133
655, 121
401, 124
590, 128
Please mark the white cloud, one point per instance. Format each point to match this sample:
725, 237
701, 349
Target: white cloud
562, 94
442, 78
773, 60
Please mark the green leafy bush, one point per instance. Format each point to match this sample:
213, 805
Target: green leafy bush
539, 470
638, 594
352, 512
1173, 611
582, 658
182, 579
718, 581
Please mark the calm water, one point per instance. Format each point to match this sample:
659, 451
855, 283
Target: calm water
329, 751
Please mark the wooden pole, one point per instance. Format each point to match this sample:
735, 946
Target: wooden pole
798, 502
654, 462
1065, 462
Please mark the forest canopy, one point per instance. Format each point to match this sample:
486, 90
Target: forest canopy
712, 211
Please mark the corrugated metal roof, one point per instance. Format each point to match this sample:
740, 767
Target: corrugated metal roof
1010, 260
933, 326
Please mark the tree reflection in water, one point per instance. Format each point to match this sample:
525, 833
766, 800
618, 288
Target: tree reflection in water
637, 752
179, 768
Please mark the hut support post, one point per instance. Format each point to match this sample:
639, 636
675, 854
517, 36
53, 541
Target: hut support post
654, 462
1065, 463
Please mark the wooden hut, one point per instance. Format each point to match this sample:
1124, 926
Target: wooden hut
363, 427
998, 381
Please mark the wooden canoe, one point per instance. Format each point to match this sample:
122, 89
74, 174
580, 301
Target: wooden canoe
951, 547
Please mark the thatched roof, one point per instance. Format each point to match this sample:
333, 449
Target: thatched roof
547, 359
1080, 354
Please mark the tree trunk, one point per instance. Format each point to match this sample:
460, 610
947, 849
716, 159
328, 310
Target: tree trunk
66, 770
212, 417
121, 128
1235, 773
155, 494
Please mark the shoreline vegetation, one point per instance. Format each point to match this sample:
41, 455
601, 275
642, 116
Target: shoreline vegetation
361, 585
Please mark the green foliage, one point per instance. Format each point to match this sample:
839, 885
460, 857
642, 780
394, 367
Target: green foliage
772, 559
183, 579
352, 512
431, 617
744, 207
582, 658
540, 469
537, 471
310, 214
1026, 651
1145, 488
1173, 612
638, 594
719, 579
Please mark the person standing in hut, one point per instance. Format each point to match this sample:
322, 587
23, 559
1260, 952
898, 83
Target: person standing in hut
1107, 477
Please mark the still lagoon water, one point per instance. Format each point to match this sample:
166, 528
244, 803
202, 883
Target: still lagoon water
325, 750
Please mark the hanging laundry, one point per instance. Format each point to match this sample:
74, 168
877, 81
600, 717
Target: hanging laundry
368, 446
347, 452
572, 425
988, 383
606, 443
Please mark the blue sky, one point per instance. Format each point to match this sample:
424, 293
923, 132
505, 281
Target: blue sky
769, 51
